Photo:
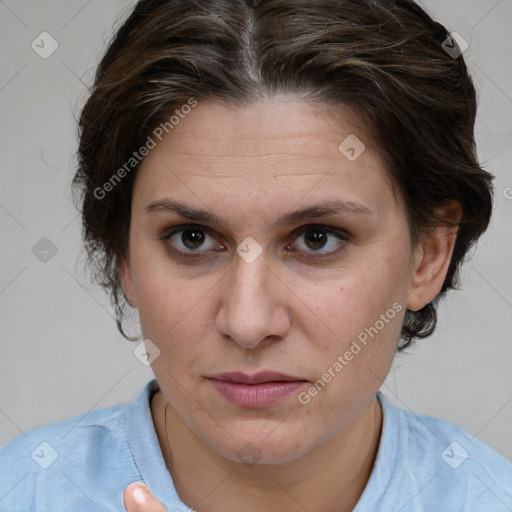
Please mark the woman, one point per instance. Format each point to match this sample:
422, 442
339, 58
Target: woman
283, 190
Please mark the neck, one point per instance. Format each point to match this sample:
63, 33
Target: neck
330, 478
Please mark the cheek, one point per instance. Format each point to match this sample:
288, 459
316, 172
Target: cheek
353, 331
355, 300
168, 310
175, 311
359, 344
352, 359
161, 298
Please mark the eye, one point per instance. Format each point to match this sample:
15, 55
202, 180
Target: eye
323, 240
190, 238
196, 241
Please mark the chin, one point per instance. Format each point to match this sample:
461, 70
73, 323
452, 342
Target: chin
268, 447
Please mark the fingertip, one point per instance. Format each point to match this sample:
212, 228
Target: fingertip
139, 495
134, 492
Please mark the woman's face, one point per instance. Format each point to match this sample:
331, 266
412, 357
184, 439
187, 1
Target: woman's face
252, 286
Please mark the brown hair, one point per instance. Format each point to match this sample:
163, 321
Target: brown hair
383, 58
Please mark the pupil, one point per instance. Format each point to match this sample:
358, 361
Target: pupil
195, 237
317, 239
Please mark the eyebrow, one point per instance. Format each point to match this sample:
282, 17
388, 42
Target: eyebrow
310, 212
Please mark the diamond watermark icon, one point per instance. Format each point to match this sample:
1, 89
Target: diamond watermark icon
146, 352
351, 148
44, 45
249, 454
44, 250
44, 455
455, 45
249, 249
454, 455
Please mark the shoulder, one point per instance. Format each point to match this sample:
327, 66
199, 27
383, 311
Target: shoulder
446, 466
71, 455
65, 440
455, 448
64, 434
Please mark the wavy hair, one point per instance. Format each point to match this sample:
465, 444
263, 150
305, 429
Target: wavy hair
385, 59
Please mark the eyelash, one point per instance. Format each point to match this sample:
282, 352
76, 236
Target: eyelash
341, 235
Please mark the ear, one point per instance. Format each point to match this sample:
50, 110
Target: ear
432, 258
125, 272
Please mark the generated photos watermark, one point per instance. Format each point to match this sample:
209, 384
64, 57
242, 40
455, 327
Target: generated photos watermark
355, 347
151, 141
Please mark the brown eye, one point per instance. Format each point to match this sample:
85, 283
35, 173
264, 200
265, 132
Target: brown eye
318, 241
192, 238
315, 239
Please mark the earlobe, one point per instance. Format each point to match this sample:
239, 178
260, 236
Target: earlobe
432, 260
125, 273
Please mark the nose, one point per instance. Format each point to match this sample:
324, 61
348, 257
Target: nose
253, 307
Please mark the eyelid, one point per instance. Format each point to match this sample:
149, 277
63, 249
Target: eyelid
182, 227
341, 233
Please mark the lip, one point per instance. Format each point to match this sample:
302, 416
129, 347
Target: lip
255, 391
256, 378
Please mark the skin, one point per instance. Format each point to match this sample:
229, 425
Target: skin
281, 312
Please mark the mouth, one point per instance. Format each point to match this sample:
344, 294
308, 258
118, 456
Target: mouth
255, 391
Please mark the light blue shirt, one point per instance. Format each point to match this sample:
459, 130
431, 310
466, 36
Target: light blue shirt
84, 464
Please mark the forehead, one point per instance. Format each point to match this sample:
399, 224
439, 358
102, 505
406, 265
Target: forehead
213, 128
285, 147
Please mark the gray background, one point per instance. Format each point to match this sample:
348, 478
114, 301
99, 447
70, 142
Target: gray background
61, 353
